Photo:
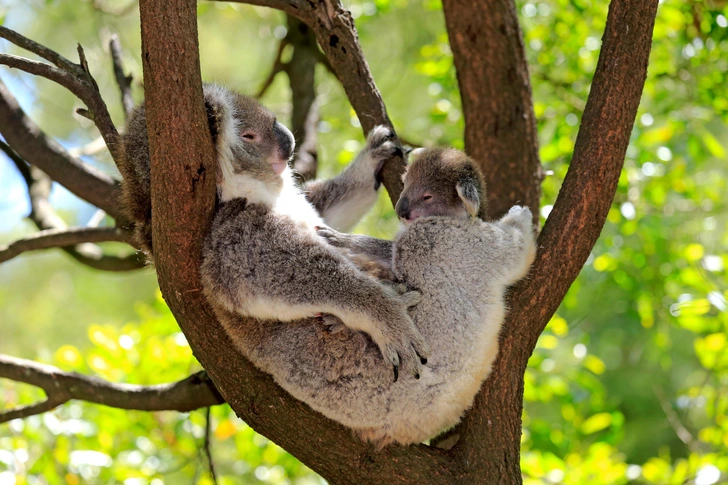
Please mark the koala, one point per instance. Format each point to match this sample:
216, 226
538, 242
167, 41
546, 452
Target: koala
459, 264
262, 257
439, 182
242, 128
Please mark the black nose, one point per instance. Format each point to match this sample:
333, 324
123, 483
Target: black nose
285, 140
403, 208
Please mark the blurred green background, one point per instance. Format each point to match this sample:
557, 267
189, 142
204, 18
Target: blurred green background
629, 382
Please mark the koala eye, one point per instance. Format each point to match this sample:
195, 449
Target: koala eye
250, 136
426, 197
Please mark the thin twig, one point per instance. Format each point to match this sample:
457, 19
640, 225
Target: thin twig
59, 238
206, 445
278, 66
32, 145
76, 78
191, 393
122, 80
36, 48
44, 217
680, 430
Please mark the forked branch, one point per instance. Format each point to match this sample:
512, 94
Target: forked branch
194, 392
45, 218
32, 145
74, 77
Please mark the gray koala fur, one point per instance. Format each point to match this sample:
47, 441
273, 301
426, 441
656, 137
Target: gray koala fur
263, 258
461, 266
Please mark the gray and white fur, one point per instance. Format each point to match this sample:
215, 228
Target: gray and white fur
262, 257
462, 267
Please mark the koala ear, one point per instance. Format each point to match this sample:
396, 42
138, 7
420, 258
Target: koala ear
468, 191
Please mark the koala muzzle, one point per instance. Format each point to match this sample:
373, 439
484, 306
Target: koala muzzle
286, 142
403, 208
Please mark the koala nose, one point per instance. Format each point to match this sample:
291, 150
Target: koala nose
286, 142
403, 208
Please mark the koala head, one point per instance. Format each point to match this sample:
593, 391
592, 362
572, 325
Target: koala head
253, 147
441, 182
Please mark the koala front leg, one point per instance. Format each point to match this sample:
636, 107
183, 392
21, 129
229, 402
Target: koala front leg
357, 300
371, 255
259, 265
343, 200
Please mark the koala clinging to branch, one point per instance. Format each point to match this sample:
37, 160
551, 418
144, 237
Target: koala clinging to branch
462, 267
263, 258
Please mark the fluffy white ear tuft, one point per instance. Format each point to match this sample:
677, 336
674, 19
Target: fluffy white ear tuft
468, 192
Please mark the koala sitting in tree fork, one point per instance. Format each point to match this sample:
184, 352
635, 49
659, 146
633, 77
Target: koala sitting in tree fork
263, 258
460, 264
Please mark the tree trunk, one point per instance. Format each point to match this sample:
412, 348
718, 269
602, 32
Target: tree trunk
500, 127
183, 171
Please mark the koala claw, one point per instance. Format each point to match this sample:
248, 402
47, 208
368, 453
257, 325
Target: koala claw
333, 237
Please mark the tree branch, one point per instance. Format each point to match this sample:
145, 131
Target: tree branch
206, 446
193, 392
58, 238
567, 237
500, 126
122, 80
45, 218
74, 77
301, 70
586, 195
31, 144
36, 48
278, 66
334, 29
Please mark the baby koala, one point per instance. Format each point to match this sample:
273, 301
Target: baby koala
460, 264
438, 182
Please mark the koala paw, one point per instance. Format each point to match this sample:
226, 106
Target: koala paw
332, 324
410, 298
333, 237
382, 144
520, 217
402, 345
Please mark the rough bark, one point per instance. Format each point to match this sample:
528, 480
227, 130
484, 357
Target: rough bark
183, 179
500, 127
